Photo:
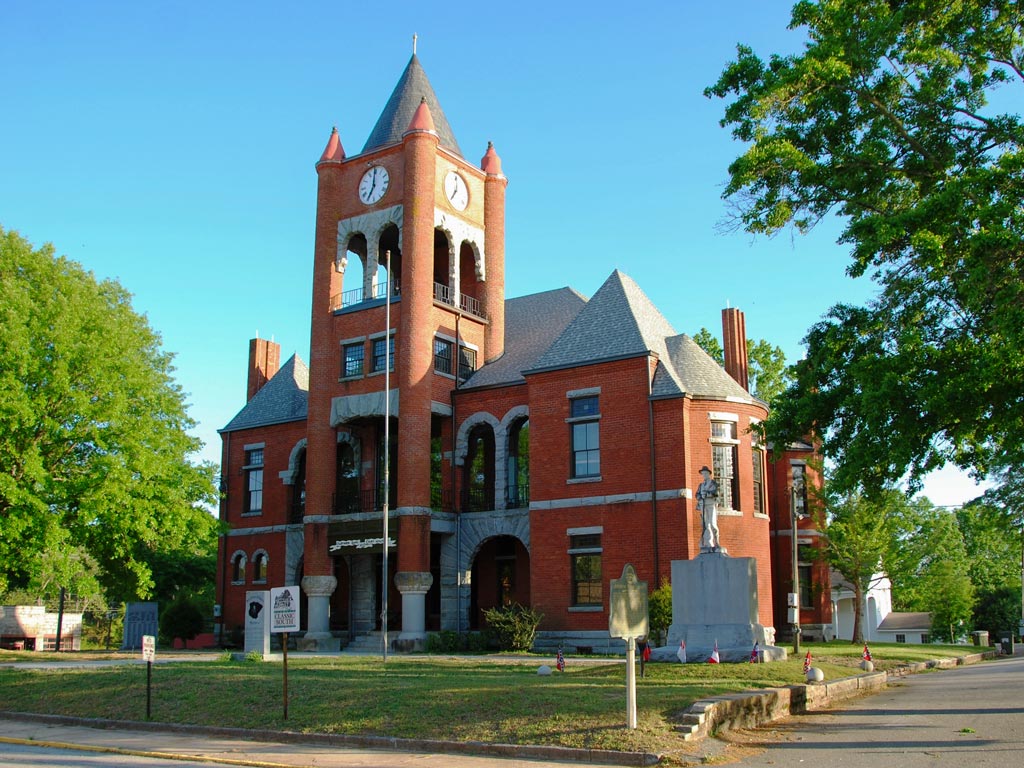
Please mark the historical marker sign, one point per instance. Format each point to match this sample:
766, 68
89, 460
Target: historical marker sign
284, 609
627, 606
627, 618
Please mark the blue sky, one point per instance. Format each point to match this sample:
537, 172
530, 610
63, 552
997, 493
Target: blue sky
172, 146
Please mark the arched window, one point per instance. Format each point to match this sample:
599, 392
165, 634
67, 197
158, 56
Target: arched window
238, 568
347, 497
259, 567
479, 485
517, 488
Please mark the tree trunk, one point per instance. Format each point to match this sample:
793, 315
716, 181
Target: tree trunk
858, 599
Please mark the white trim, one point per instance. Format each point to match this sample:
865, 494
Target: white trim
253, 446
572, 394
723, 416
588, 531
354, 340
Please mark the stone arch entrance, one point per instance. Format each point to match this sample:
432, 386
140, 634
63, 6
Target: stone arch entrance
469, 546
499, 576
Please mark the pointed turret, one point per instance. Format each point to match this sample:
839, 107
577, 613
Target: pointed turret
412, 89
491, 163
422, 120
333, 152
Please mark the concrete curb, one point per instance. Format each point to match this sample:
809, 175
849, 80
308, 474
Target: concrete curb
757, 708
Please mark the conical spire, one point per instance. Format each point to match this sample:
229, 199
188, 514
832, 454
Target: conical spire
413, 88
334, 152
491, 163
422, 120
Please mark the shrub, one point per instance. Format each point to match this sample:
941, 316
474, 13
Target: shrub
659, 611
183, 619
513, 627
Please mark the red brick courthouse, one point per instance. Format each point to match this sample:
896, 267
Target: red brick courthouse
538, 443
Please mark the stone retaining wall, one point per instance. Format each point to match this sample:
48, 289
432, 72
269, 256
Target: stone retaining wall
756, 708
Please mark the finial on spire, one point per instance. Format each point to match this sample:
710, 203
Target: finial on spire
413, 43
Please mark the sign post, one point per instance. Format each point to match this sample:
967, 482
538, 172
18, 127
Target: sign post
284, 618
148, 654
627, 618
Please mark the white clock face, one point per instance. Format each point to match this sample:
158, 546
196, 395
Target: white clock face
456, 191
374, 184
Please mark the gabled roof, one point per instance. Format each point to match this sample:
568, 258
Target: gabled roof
413, 87
282, 399
531, 324
904, 621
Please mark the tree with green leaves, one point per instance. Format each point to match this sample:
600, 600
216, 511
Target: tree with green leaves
95, 455
767, 372
863, 541
901, 118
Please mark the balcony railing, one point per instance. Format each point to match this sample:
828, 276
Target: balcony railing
440, 500
356, 296
479, 500
517, 496
350, 502
468, 304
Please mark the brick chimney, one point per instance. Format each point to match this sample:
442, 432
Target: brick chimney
734, 342
264, 360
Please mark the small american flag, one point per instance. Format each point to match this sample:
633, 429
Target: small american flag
867, 654
807, 663
560, 661
754, 655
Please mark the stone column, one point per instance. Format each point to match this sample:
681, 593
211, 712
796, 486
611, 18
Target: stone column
318, 636
414, 586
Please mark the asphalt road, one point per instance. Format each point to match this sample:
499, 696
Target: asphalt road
968, 716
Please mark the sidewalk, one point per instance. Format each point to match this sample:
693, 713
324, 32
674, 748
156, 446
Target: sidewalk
285, 750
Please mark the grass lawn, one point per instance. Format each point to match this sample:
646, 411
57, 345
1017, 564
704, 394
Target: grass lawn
467, 698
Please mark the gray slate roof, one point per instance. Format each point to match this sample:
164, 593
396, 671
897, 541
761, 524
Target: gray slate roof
282, 399
413, 86
619, 322
532, 323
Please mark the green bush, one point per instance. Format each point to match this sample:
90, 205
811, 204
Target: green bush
183, 619
513, 627
659, 612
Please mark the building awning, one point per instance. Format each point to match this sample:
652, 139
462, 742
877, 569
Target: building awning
352, 407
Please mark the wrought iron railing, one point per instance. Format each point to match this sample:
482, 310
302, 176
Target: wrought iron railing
357, 295
517, 496
479, 500
468, 304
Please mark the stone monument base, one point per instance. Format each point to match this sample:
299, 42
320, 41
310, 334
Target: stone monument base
714, 602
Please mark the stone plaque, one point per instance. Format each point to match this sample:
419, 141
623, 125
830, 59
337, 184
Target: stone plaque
627, 605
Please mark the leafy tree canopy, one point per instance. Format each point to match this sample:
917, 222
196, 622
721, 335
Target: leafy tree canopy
95, 475
894, 118
767, 371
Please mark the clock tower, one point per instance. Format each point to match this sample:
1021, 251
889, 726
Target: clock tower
411, 201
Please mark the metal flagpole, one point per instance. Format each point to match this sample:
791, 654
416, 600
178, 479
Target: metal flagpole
387, 454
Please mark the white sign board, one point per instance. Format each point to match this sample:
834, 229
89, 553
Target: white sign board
148, 648
284, 609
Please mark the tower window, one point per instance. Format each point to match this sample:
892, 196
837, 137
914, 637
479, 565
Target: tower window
443, 355
352, 360
381, 354
467, 362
